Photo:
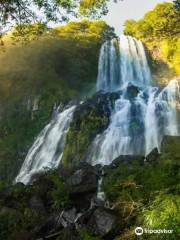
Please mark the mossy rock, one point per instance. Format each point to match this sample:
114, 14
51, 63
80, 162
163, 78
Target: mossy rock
170, 148
90, 118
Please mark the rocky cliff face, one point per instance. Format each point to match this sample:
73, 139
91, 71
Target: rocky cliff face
90, 118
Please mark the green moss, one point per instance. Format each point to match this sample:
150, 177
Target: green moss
170, 149
81, 134
59, 192
8, 223
86, 235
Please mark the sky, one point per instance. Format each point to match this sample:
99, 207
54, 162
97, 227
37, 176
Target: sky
128, 9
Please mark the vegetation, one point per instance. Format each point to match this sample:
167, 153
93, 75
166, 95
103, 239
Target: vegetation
81, 134
141, 193
18, 215
159, 30
40, 12
146, 195
64, 63
90, 119
177, 4
85, 235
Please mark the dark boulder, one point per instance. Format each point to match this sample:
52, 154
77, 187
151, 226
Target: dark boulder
82, 186
90, 118
153, 156
9, 211
102, 222
68, 234
36, 204
68, 217
132, 91
84, 180
50, 225
126, 159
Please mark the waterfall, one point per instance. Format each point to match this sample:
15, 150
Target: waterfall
143, 114
47, 150
122, 62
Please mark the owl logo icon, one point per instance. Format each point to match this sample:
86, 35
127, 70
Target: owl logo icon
138, 231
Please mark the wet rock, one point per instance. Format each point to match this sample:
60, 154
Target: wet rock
153, 156
22, 235
68, 234
64, 172
102, 222
170, 147
7, 211
83, 180
126, 159
132, 91
90, 118
51, 225
69, 216
82, 186
10, 194
36, 204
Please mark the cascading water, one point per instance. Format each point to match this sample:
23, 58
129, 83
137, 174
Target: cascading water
47, 150
122, 62
143, 114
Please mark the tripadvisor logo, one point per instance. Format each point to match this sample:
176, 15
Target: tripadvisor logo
139, 231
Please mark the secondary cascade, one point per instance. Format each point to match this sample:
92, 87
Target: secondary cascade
47, 150
141, 116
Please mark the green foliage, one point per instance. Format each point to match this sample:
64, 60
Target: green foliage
86, 235
161, 22
81, 133
93, 8
159, 29
55, 68
59, 193
49, 188
177, 4
8, 223
146, 194
163, 212
22, 12
28, 32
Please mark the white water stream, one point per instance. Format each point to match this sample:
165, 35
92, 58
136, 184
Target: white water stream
142, 115
47, 150
138, 123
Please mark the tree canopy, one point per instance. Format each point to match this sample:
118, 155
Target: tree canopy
161, 22
159, 29
22, 12
177, 4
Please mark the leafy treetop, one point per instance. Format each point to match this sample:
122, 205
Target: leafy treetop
22, 12
161, 22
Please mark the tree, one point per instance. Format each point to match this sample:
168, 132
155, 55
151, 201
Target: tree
161, 22
22, 12
159, 29
177, 4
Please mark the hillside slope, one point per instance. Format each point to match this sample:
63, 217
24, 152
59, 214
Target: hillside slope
59, 66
